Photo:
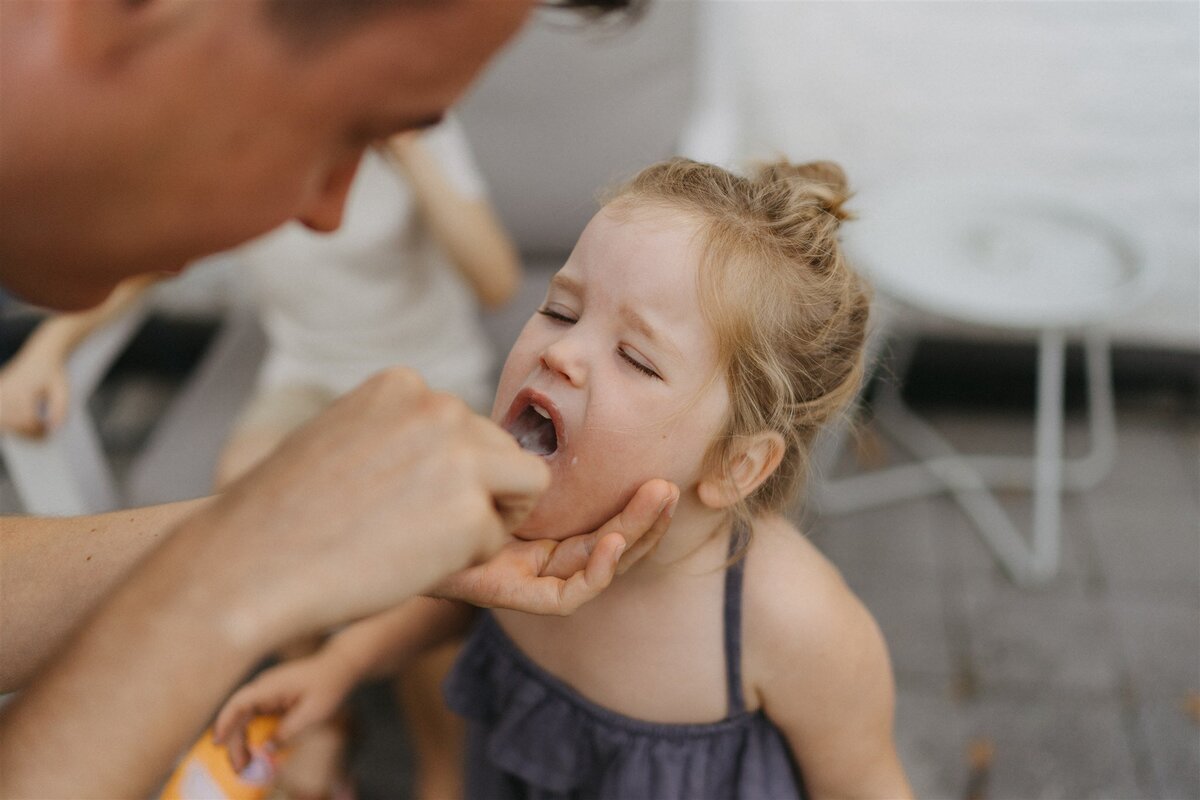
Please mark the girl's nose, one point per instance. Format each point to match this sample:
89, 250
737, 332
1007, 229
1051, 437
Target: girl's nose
324, 212
566, 357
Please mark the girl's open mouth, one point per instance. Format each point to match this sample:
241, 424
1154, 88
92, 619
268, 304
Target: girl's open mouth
535, 423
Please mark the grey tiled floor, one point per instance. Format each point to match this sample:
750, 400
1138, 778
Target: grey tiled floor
1087, 687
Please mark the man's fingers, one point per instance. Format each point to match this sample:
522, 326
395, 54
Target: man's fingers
570, 556
646, 543
643, 510
516, 479
589, 582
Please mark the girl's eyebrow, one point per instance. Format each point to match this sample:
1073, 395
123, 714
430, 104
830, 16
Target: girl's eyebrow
630, 317
639, 324
567, 284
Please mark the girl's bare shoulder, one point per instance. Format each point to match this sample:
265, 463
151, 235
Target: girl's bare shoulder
797, 609
786, 574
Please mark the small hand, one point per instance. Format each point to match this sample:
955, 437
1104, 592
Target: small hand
304, 692
34, 393
550, 577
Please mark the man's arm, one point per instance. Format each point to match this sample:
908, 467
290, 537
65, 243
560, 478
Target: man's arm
374, 501
53, 571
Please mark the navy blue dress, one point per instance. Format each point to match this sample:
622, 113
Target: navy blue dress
531, 736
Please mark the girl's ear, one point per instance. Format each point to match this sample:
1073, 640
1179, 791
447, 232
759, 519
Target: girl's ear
750, 461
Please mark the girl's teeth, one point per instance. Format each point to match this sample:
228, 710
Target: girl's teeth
542, 412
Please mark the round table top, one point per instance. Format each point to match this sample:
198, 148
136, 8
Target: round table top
996, 252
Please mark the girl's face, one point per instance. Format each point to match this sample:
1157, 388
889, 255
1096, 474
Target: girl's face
614, 380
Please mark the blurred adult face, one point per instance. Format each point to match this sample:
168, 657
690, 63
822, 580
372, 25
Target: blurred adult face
137, 137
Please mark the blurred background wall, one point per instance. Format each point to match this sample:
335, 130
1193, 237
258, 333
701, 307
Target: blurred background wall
1099, 98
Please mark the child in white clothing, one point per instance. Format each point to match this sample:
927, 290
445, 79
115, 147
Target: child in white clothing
400, 282
703, 330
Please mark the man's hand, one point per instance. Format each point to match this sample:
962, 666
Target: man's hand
387, 492
549, 577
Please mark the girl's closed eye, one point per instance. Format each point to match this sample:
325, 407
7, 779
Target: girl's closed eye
638, 364
556, 315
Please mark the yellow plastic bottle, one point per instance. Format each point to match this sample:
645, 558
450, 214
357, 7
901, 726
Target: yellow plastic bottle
206, 774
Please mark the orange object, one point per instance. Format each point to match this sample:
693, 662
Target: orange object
206, 774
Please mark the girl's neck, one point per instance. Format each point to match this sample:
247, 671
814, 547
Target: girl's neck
697, 541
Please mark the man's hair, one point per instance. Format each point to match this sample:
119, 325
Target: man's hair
309, 20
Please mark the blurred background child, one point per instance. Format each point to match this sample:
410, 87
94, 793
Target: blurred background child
400, 282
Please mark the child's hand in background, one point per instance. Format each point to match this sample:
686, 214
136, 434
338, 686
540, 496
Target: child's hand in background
302, 693
34, 392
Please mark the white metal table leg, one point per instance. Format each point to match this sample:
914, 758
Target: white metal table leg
1048, 463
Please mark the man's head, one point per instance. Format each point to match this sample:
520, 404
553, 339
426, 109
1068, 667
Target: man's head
138, 136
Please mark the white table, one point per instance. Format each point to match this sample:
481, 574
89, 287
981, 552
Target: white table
1009, 255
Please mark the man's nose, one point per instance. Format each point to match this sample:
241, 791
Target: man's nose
324, 212
566, 357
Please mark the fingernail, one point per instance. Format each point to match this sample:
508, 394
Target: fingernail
619, 553
667, 501
671, 506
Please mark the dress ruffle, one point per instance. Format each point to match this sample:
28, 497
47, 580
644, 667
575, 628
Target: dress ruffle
543, 739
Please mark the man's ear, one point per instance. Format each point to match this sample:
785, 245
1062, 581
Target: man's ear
750, 461
103, 33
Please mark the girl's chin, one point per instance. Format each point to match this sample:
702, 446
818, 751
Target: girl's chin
560, 522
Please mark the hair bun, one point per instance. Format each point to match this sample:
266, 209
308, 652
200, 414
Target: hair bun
820, 181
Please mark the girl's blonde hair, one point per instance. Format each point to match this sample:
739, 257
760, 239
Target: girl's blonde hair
789, 313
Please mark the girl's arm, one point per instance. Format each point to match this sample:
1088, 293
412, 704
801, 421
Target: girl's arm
381, 645
826, 682
34, 392
467, 228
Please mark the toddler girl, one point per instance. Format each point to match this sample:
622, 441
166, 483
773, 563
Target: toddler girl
702, 331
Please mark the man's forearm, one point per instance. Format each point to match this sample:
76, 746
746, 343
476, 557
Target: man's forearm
53, 572
110, 712
138, 680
